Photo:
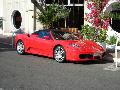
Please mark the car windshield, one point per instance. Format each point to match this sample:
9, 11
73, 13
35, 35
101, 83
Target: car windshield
60, 35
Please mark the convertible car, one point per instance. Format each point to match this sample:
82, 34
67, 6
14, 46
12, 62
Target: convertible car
60, 45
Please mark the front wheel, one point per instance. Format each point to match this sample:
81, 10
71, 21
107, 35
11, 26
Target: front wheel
59, 54
20, 48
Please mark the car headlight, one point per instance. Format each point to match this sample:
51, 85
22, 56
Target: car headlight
75, 45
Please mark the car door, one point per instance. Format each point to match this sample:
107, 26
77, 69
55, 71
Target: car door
43, 43
33, 43
46, 43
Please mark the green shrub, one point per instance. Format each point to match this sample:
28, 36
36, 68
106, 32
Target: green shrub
91, 33
112, 40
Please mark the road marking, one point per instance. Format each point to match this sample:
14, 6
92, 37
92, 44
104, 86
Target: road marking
5, 43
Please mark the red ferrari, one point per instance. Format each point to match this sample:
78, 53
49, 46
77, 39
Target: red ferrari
60, 45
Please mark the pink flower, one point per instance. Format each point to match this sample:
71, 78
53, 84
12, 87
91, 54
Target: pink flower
94, 11
93, 16
90, 5
97, 21
105, 25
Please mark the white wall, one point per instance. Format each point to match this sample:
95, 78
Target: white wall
1, 13
25, 7
1, 8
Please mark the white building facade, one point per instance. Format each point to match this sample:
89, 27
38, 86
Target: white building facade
16, 14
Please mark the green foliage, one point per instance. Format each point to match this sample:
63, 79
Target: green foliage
116, 6
105, 15
109, 14
91, 33
112, 40
52, 13
102, 35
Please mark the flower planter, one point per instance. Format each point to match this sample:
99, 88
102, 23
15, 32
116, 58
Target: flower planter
112, 47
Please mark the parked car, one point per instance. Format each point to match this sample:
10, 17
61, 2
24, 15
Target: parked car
60, 45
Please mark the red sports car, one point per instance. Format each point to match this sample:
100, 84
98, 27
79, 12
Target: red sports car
60, 45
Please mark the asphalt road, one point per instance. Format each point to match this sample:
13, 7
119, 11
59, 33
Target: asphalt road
32, 72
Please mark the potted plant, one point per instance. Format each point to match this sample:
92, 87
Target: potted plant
111, 42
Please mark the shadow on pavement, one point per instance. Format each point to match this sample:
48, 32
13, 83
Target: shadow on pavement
6, 49
94, 62
108, 58
6, 39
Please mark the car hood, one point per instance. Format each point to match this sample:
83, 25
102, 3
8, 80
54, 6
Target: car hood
85, 45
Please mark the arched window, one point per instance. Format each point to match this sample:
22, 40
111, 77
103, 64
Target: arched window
17, 19
115, 20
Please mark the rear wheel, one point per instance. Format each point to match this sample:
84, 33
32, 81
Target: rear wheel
20, 47
59, 54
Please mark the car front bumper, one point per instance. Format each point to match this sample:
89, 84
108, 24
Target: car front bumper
76, 55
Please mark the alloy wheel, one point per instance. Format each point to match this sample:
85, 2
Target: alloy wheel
59, 54
20, 47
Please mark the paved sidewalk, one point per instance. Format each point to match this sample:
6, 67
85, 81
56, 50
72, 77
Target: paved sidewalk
5, 39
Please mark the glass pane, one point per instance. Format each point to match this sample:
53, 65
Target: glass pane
57, 1
116, 20
49, 1
76, 17
76, 1
65, 2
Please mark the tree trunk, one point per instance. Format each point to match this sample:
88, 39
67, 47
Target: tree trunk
40, 7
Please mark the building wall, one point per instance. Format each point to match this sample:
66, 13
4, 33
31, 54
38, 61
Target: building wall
1, 8
1, 13
25, 7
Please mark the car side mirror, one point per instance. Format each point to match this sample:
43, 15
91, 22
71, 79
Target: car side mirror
28, 35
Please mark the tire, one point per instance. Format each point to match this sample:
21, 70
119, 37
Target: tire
20, 48
59, 54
